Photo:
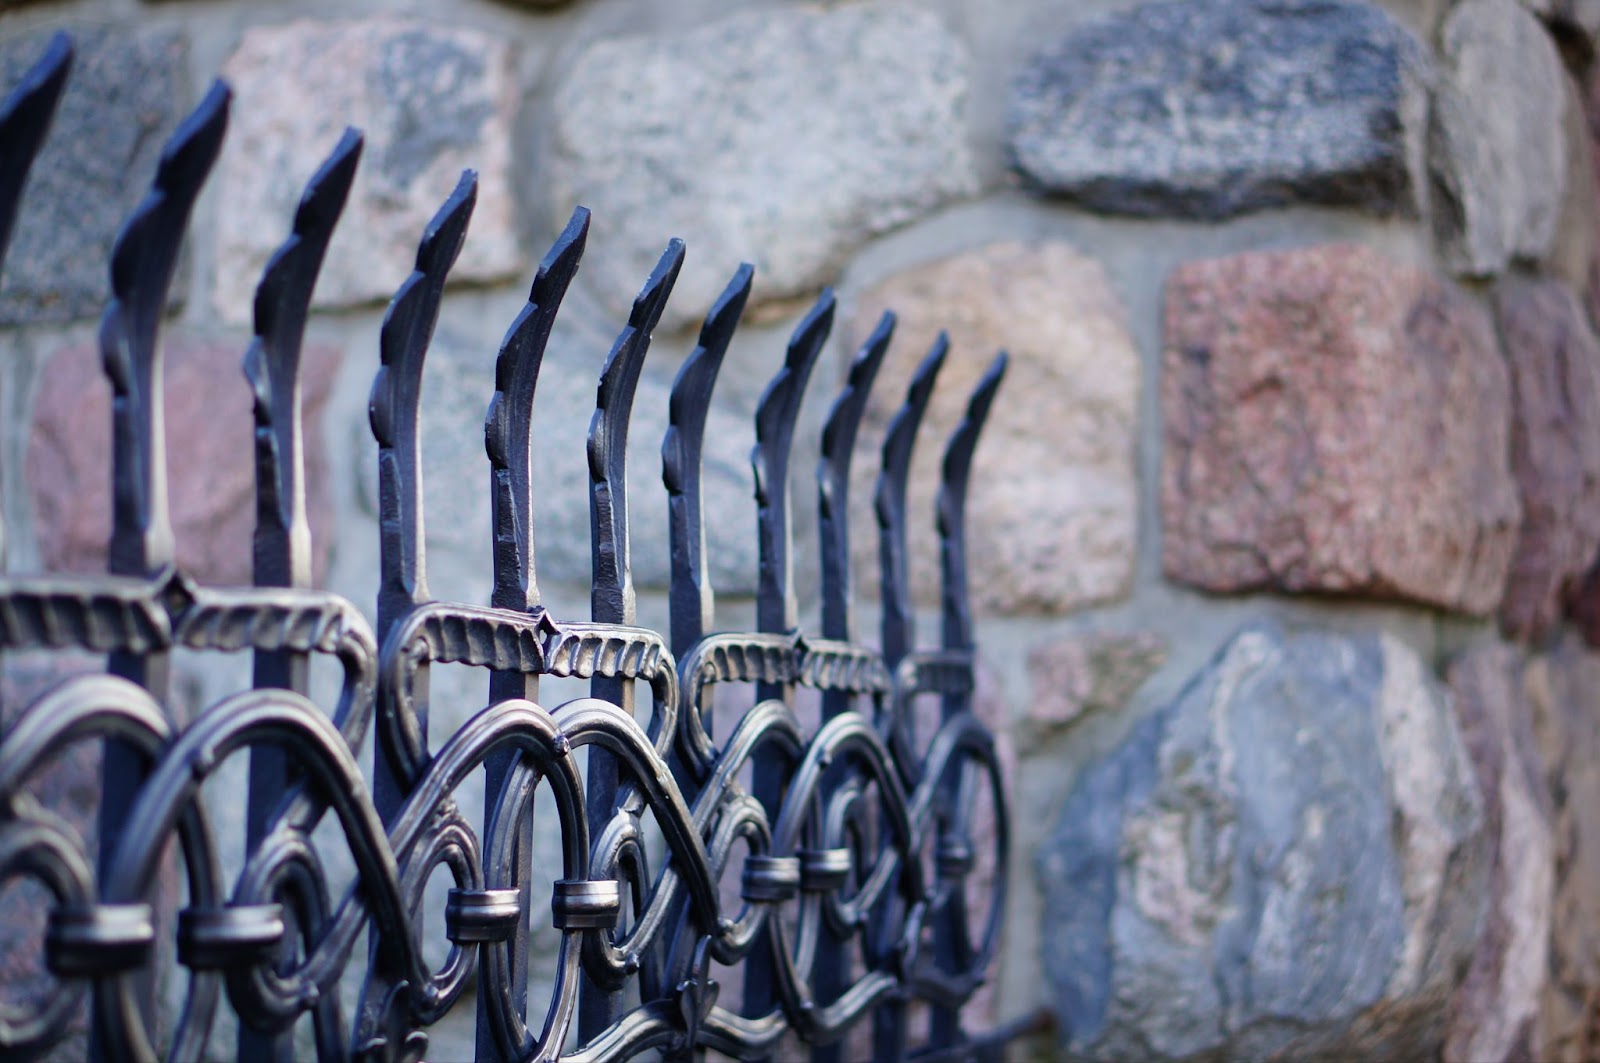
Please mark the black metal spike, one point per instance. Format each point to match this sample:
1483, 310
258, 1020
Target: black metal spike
272, 366
682, 463
508, 426
282, 542
890, 504
24, 120
142, 264
612, 594
833, 478
776, 415
394, 407
952, 508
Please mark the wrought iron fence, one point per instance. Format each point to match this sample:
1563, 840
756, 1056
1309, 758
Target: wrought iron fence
857, 832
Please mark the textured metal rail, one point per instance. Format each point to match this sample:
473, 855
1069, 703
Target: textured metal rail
851, 843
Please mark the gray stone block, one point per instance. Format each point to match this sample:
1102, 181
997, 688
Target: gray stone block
1286, 862
1497, 149
785, 138
126, 93
1210, 108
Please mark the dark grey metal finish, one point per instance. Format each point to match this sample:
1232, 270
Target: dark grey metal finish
859, 833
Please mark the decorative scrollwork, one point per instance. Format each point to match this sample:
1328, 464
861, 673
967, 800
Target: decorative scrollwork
858, 848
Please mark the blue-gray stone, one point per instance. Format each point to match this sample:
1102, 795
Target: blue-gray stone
1209, 108
125, 94
1288, 859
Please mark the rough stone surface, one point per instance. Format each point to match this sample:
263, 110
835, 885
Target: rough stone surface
126, 93
1555, 450
1209, 108
1566, 722
431, 100
1335, 422
210, 458
783, 137
1572, 255
1096, 671
1496, 1009
1287, 862
457, 386
1053, 509
1497, 150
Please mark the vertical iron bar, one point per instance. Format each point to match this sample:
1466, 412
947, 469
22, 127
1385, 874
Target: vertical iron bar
142, 265
508, 439
832, 973
899, 639
776, 416
394, 412
692, 603
24, 120
952, 936
282, 542
611, 595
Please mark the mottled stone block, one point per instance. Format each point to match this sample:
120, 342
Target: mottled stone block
785, 137
210, 433
1555, 450
1336, 423
126, 93
432, 100
1498, 150
1053, 508
1286, 862
1209, 108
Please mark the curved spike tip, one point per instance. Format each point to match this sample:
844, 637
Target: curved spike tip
508, 424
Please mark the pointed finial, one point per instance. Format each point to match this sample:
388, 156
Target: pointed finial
833, 478
952, 508
142, 263
776, 415
394, 407
272, 366
890, 504
508, 426
611, 597
682, 463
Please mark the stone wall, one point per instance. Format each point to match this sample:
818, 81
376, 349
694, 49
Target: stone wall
1287, 523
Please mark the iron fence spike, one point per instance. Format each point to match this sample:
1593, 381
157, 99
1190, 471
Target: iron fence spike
682, 463
890, 505
508, 425
394, 409
612, 586
272, 366
776, 416
833, 477
955, 480
25, 119
143, 260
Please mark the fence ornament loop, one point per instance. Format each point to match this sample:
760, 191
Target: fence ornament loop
851, 849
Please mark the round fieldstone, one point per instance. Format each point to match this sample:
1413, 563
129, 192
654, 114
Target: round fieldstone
785, 137
1335, 423
1286, 862
432, 101
1209, 108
